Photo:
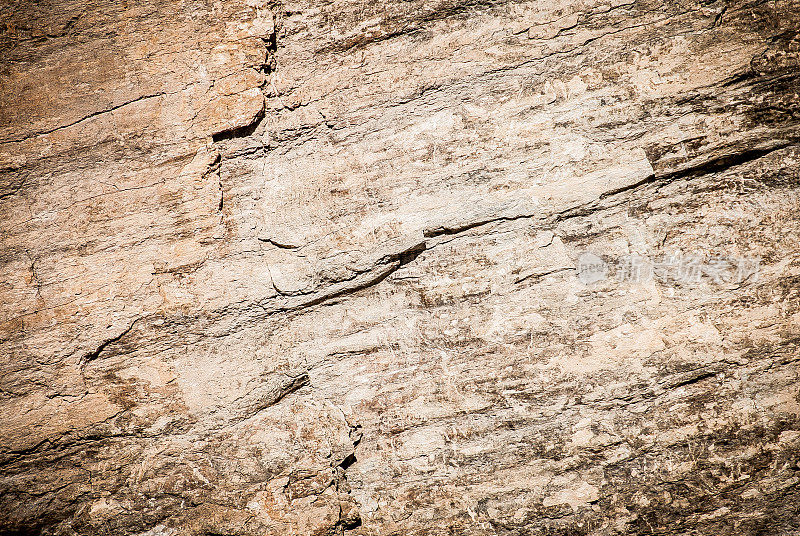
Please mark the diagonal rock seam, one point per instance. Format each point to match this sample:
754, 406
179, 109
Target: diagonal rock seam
390, 262
84, 118
260, 398
273, 403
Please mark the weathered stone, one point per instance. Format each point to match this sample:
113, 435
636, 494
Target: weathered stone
302, 268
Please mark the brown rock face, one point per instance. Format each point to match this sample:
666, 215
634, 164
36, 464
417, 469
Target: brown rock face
509, 267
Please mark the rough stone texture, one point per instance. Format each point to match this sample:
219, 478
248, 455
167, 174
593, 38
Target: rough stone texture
309, 268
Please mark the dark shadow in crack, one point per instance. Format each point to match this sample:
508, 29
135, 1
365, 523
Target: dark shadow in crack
240, 132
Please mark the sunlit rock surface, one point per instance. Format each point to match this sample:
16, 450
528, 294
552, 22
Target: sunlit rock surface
399, 268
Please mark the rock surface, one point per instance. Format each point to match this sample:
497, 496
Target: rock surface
310, 268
